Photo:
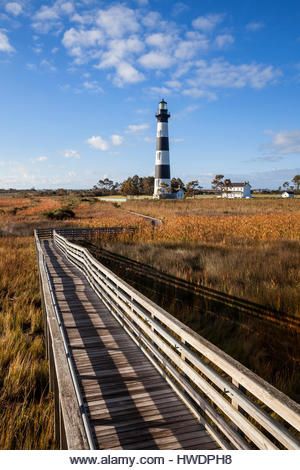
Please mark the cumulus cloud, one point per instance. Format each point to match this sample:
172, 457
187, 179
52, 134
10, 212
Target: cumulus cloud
82, 38
207, 23
82, 43
47, 17
118, 20
132, 44
116, 140
137, 128
119, 55
5, 45
156, 60
14, 8
222, 74
126, 73
71, 154
98, 143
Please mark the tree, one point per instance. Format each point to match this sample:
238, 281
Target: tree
176, 184
105, 185
218, 183
286, 185
192, 187
296, 181
130, 187
148, 185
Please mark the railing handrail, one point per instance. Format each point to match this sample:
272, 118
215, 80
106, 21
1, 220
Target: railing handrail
151, 319
81, 406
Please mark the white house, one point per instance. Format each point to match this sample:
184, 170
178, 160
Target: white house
287, 194
236, 190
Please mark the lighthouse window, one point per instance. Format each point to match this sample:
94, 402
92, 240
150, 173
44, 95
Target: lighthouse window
159, 155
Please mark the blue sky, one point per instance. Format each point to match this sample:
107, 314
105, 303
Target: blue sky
80, 82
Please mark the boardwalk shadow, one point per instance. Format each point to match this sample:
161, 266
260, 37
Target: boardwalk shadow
130, 404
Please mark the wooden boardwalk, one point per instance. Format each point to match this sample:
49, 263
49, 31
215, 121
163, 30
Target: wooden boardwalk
129, 404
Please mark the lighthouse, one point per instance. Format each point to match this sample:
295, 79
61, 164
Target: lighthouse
162, 183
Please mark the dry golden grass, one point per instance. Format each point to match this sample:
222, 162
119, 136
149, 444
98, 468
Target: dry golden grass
223, 221
26, 408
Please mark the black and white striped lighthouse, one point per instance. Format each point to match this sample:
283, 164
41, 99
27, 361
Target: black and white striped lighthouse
162, 183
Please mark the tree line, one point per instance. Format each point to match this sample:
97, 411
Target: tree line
142, 185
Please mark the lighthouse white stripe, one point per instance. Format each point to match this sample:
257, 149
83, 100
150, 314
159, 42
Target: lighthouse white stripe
162, 129
162, 157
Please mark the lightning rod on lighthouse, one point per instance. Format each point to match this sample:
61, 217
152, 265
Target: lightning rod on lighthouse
162, 183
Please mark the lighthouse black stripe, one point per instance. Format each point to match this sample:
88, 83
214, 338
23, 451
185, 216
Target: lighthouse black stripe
162, 143
162, 171
162, 117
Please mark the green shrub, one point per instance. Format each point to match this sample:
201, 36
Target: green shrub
60, 214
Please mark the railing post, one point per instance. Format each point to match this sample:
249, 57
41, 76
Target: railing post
233, 401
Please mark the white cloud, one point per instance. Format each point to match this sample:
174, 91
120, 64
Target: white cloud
41, 159
46, 13
286, 142
98, 143
82, 43
152, 20
160, 40
175, 84
199, 93
116, 140
118, 21
156, 60
5, 45
119, 50
82, 38
188, 48
50, 17
126, 73
67, 8
93, 86
137, 128
14, 8
47, 65
179, 8
223, 40
222, 74
255, 26
71, 153
160, 90
207, 23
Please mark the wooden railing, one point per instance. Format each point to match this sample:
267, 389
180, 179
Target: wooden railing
71, 424
76, 233
238, 408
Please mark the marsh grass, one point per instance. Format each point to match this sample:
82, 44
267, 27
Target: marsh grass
267, 273
26, 407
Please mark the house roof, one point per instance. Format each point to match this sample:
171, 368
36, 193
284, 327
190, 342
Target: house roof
234, 185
